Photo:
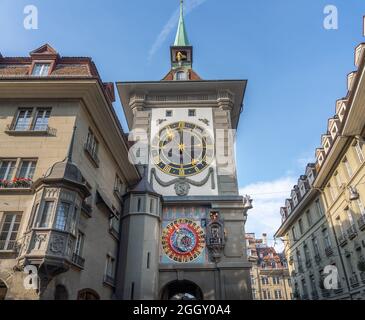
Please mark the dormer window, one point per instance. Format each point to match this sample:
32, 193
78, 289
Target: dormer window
181, 76
41, 69
168, 113
192, 112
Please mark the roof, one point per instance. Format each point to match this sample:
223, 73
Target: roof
236, 87
181, 38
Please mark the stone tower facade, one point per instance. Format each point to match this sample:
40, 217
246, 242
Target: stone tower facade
183, 224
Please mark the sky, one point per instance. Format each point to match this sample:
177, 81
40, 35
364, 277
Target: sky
296, 69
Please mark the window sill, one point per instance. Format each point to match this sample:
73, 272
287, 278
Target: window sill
109, 282
15, 190
46, 132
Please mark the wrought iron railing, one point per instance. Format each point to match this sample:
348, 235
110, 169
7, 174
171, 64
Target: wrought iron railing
36, 129
351, 232
78, 260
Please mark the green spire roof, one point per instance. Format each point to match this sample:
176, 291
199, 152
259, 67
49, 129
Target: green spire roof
181, 39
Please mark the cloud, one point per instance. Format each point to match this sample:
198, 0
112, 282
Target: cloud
268, 197
171, 25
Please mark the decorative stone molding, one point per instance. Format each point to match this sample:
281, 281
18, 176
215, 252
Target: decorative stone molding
57, 245
182, 185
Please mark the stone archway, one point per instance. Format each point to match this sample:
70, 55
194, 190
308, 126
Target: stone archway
181, 290
3, 290
88, 294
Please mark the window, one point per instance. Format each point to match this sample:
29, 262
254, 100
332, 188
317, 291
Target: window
181, 75
265, 280
74, 220
350, 217
168, 113
79, 243
46, 214
9, 230
332, 192
301, 228
110, 268
319, 208
192, 112
315, 246
118, 186
304, 287
326, 239
139, 205
309, 218
87, 294
359, 205
278, 294
360, 154
338, 179
62, 216
293, 230
276, 280
254, 295
41, 69
348, 167
27, 168
23, 119
41, 119
266, 294
307, 254
7, 169
92, 144
152, 205
340, 226
299, 259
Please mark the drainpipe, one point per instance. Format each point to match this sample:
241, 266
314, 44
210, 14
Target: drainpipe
337, 244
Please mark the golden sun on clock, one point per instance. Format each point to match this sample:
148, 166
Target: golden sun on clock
182, 149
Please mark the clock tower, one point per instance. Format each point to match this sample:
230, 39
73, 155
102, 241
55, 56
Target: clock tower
183, 226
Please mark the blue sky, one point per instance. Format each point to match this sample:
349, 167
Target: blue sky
295, 68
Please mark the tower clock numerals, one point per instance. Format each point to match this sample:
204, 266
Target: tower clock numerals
182, 149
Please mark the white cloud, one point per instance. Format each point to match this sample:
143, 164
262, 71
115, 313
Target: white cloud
171, 25
268, 197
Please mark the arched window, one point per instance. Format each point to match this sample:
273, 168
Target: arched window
60, 293
3, 290
87, 294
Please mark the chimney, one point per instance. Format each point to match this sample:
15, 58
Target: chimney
264, 239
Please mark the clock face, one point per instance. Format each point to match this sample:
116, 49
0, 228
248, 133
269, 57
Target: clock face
183, 240
182, 149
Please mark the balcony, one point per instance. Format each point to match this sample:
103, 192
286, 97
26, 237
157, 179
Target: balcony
43, 130
361, 223
354, 280
109, 280
342, 239
351, 232
90, 151
329, 251
17, 183
79, 261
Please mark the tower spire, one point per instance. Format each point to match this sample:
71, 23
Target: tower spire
181, 39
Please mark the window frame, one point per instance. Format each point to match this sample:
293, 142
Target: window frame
11, 231
42, 64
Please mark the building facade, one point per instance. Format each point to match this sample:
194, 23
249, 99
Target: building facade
323, 222
87, 214
270, 278
62, 176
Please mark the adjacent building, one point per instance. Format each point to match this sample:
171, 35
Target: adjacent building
270, 279
323, 221
63, 173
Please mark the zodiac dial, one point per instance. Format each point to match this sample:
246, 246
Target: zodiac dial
183, 240
182, 149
